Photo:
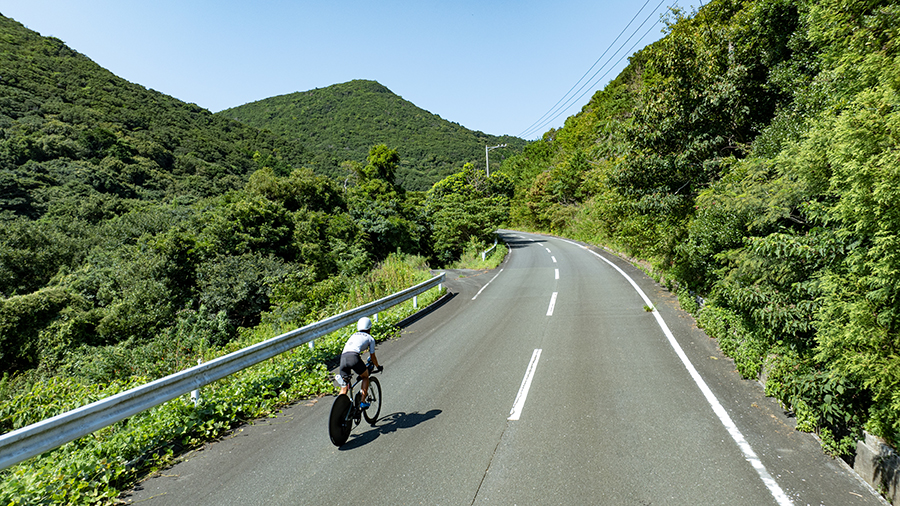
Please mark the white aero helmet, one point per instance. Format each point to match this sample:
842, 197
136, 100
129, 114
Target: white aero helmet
364, 324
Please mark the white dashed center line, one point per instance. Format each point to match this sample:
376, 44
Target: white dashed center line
552, 304
526, 384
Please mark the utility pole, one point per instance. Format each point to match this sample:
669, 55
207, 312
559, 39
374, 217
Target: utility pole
487, 160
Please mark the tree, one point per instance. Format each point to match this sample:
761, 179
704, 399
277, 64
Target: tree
467, 206
383, 163
377, 205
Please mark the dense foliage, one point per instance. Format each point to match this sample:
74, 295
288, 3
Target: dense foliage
752, 156
467, 208
340, 122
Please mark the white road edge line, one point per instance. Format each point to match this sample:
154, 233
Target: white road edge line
489, 282
717, 407
552, 304
519, 403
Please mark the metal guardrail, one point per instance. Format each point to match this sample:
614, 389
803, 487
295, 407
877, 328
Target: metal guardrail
485, 252
26, 442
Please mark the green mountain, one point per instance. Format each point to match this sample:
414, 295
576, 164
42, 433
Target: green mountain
74, 138
341, 122
121, 208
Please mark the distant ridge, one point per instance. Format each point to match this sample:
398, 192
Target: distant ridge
341, 122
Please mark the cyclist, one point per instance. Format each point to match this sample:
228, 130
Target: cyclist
351, 358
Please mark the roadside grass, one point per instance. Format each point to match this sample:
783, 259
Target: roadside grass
471, 258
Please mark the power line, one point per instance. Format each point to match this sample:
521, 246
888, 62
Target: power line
568, 102
559, 110
553, 109
579, 97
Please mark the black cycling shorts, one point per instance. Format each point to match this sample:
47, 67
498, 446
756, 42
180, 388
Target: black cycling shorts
351, 361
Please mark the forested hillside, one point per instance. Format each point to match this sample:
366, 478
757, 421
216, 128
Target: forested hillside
123, 210
340, 122
125, 214
752, 158
76, 140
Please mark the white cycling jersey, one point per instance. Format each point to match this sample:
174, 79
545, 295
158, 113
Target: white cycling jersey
358, 342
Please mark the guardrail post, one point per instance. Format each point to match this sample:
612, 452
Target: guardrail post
416, 302
485, 252
195, 394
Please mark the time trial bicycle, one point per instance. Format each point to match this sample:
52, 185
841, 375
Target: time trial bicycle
346, 414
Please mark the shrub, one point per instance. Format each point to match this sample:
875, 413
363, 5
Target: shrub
735, 339
23, 318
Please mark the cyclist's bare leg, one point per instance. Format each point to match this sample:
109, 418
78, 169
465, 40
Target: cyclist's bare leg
365, 385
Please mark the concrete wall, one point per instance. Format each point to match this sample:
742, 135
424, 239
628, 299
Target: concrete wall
879, 464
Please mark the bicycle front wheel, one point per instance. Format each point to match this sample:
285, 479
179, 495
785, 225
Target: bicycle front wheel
373, 397
339, 424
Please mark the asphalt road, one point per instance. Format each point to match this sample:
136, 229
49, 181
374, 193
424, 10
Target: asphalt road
611, 414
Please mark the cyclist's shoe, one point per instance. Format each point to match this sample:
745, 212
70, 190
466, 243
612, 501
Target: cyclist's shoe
364, 405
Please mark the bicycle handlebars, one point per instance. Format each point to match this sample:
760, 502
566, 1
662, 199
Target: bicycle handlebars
371, 367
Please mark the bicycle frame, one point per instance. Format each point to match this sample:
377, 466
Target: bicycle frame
354, 402
352, 387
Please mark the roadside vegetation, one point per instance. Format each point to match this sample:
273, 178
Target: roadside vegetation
751, 158
471, 257
96, 468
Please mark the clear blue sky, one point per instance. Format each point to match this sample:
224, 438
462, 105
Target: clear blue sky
492, 65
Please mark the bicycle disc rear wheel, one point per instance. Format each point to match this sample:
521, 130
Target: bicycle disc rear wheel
373, 397
339, 425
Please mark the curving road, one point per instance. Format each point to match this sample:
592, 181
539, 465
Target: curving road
547, 381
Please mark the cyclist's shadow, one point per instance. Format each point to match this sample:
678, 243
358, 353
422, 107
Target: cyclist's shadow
388, 424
